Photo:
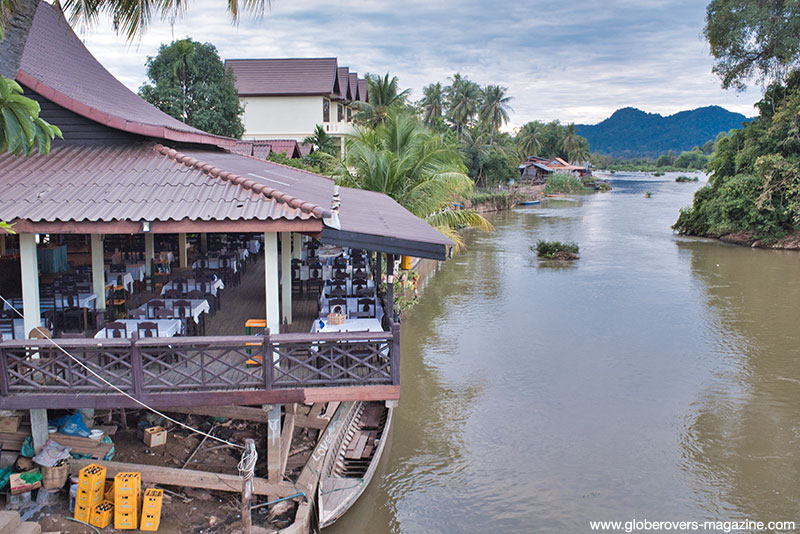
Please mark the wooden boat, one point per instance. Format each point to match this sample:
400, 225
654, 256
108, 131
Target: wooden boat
530, 202
351, 460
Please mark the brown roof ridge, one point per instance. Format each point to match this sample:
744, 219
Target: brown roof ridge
245, 183
266, 141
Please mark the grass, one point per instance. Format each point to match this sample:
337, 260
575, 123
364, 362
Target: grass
556, 250
564, 183
683, 179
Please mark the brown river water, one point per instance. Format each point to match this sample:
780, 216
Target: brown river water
658, 378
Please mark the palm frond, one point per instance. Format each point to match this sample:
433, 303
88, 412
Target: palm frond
460, 219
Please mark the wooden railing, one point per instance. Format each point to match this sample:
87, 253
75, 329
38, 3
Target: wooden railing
191, 370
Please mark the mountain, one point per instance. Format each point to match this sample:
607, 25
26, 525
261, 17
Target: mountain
632, 133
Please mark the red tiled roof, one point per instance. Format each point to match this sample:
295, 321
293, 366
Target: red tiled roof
343, 74
295, 76
363, 94
155, 183
305, 148
57, 65
287, 146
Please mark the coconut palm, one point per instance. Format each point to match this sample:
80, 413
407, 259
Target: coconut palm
22, 131
432, 103
414, 166
463, 99
383, 97
322, 141
573, 145
494, 107
529, 138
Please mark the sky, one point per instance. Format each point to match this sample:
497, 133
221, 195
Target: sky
571, 60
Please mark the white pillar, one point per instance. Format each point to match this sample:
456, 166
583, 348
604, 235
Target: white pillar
182, 250
286, 277
98, 272
271, 282
297, 249
149, 253
28, 263
39, 431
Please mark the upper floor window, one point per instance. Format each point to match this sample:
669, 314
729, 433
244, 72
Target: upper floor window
339, 112
349, 114
326, 110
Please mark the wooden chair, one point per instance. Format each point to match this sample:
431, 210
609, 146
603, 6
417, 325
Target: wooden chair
6, 328
116, 330
164, 313
182, 309
71, 312
147, 329
332, 303
153, 306
48, 306
366, 309
314, 279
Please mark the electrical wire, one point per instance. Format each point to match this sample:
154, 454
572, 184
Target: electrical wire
126, 394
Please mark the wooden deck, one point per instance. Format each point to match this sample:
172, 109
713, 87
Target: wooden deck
224, 367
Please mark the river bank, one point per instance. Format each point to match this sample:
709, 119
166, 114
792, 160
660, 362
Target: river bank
749, 239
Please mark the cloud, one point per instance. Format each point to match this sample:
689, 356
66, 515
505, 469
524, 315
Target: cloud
575, 61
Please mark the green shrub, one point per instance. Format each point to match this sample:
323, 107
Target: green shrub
564, 183
683, 179
556, 249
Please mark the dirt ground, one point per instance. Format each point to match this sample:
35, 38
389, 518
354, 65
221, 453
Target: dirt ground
190, 510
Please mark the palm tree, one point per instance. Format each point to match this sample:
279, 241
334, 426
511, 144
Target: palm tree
572, 146
494, 107
529, 138
181, 55
432, 103
131, 18
414, 166
475, 146
463, 98
322, 141
383, 97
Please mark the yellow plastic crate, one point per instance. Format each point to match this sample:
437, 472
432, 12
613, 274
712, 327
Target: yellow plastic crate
126, 504
128, 484
92, 478
101, 514
108, 494
82, 513
123, 521
87, 498
151, 509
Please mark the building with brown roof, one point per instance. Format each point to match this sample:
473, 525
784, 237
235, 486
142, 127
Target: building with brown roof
288, 98
126, 169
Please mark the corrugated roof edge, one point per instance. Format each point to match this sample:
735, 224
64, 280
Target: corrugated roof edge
118, 123
245, 183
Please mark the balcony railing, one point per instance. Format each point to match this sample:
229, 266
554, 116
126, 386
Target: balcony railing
192, 370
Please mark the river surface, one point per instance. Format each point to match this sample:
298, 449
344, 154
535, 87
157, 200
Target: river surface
656, 378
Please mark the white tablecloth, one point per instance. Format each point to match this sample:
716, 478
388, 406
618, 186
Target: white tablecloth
127, 280
191, 285
85, 300
166, 327
213, 263
199, 307
350, 325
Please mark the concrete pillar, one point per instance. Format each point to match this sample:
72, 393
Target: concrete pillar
182, 250
149, 253
286, 277
274, 442
271, 282
28, 263
39, 428
98, 272
297, 248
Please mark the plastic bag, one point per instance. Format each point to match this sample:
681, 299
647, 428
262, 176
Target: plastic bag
72, 425
27, 448
51, 454
5, 474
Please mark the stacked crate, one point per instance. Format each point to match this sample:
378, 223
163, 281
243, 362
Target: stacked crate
101, 514
127, 494
91, 483
151, 509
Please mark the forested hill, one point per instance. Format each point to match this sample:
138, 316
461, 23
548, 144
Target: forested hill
632, 133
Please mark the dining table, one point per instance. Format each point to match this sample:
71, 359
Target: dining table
349, 325
191, 285
198, 307
166, 327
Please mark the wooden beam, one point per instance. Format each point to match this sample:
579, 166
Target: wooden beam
39, 428
156, 474
290, 411
241, 413
314, 419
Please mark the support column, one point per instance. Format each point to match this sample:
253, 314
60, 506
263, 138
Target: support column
28, 262
297, 248
390, 287
273, 442
273, 311
149, 253
183, 250
2, 244
204, 242
39, 428
98, 272
286, 277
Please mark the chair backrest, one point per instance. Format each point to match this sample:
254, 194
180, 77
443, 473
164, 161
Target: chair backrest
195, 294
332, 303
116, 330
164, 313
7, 327
340, 274
338, 291
173, 294
70, 299
366, 308
182, 309
315, 274
147, 329
359, 273
153, 306
340, 262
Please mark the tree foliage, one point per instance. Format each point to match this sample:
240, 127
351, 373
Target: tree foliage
755, 175
22, 131
415, 166
384, 98
322, 141
753, 39
189, 82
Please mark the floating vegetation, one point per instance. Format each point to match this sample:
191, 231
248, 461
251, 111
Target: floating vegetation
556, 250
683, 179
